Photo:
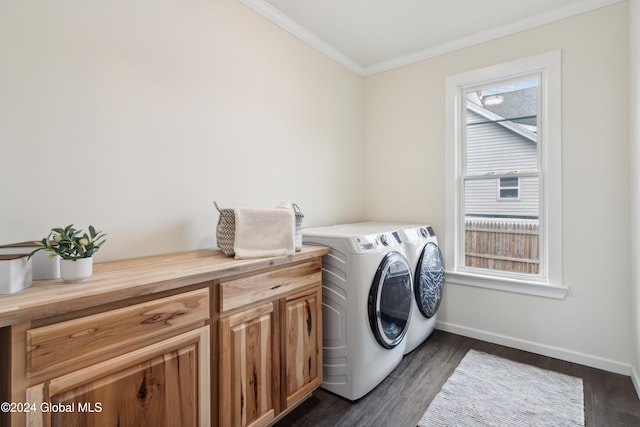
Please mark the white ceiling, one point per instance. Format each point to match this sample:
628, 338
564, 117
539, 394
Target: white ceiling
369, 36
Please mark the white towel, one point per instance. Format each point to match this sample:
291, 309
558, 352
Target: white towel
264, 233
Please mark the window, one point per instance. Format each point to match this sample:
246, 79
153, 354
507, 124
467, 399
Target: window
509, 188
503, 225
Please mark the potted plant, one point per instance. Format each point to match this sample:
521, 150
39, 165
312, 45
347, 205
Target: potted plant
75, 248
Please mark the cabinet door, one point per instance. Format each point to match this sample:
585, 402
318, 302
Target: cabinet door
164, 384
248, 356
302, 345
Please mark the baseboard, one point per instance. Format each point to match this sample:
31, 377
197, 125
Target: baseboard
636, 380
545, 350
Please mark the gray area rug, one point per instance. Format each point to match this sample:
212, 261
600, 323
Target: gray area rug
486, 390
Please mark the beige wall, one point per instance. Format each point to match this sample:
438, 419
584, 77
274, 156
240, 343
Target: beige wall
404, 118
634, 51
135, 116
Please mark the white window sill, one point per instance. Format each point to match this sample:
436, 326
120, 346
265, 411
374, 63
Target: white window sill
507, 285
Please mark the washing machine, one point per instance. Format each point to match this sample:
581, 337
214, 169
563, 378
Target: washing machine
426, 261
366, 307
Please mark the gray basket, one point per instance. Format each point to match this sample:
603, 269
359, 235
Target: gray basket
298, 236
226, 229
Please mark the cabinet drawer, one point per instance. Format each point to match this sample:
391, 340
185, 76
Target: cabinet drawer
272, 284
105, 334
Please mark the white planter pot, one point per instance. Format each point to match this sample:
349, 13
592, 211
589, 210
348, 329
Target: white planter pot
76, 271
44, 267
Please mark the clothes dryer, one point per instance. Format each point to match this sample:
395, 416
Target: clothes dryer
366, 300
426, 259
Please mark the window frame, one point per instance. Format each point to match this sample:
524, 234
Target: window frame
516, 187
549, 282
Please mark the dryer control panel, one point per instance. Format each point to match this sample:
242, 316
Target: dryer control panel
427, 231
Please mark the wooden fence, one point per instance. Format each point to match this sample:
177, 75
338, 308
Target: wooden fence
502, 244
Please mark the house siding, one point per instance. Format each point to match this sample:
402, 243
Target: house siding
481, 199
492, 148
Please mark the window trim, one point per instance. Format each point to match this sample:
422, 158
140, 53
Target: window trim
549, 283
502, 198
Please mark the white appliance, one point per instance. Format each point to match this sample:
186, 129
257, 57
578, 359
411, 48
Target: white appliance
366, 301
427, 267
425, 258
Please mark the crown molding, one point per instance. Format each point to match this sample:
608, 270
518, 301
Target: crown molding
286, 23
289, 25
493, 34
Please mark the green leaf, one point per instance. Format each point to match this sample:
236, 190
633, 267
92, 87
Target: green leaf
69, 246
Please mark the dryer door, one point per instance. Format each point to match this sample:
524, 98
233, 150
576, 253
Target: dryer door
390, 300
429, 279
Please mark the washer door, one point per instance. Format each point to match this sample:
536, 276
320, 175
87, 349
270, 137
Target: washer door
429, 279
390, 300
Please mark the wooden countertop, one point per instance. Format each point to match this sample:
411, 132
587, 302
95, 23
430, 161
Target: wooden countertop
117, 280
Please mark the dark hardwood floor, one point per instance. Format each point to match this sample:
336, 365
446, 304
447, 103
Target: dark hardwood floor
401, 399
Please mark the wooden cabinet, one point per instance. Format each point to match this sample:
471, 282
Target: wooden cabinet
302, 345
157, 385
270, 344
187, 339
247, 379
147, 364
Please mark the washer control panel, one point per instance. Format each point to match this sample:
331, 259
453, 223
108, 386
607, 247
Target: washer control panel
373, 242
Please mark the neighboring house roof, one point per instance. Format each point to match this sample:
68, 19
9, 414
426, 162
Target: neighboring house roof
521, 103
516, 112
